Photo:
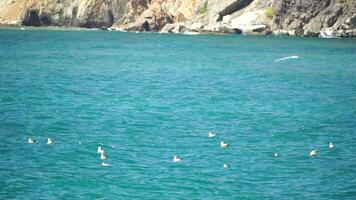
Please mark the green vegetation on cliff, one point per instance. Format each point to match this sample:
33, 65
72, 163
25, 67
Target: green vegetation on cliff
269, 12
204, 8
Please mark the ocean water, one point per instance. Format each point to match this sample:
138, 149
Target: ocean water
147, 97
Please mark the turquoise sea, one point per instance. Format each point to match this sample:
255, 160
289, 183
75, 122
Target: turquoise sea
148, 97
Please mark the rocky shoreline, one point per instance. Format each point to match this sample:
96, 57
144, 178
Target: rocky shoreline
309, 18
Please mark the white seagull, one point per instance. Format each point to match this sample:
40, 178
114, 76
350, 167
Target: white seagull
275, 154
313, 153
176, 159
224, 145
100, 150
226, 165
50, 141
331, 145
211, 134
104, 164
102, 156
31, 141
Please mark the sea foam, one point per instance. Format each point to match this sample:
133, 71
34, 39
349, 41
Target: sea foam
286, 58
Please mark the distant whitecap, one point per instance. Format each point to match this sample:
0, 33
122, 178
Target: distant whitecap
104, 164
286, 58
190, 33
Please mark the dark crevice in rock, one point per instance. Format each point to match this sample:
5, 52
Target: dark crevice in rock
145, 27
235, 6
136, 3
238, 31
352, 21
111, 18
169, 19
31, 18
93, 24
45, 20
74, 20
259, 29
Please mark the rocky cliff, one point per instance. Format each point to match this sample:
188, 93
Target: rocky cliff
324, 18
82, 13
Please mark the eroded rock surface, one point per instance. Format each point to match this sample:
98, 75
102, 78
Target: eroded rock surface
326, 18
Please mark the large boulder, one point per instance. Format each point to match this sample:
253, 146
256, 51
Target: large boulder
313, 27
351, 21
168, 28
196, 27
175, 28
249, 22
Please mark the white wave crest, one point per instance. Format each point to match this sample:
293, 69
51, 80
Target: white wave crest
286, 58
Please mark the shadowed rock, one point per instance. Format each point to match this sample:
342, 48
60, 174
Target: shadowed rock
31, 18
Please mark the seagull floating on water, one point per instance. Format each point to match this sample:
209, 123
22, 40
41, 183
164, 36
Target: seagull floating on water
50, 141
31, 141
100, 150
331, 145
176, 159
102, 157
275, 154
224, 145
313, 153
226, 165
104, 164
211, 134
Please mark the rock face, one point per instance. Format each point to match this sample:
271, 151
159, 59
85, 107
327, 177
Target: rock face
156, 13
82, 13
316, 18
323, 18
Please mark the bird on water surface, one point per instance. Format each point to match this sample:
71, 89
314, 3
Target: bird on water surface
211, 134
226, 165
331, 145
100, 150
176, 159
224, 145
313, 153
50, 141
102, 157
31, 141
